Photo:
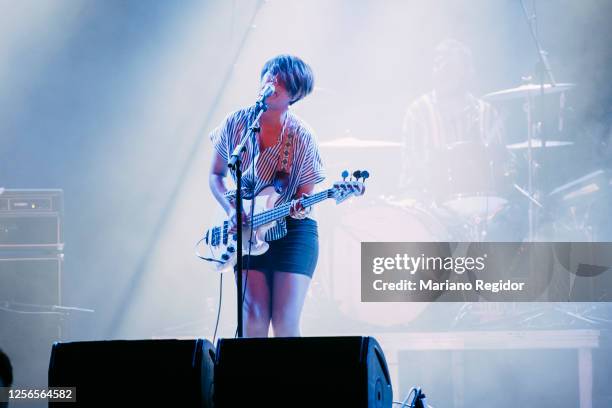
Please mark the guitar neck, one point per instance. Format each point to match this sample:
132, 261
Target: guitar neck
282, 210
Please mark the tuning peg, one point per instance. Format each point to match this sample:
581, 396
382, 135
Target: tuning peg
357, 174
345, 174
365, 174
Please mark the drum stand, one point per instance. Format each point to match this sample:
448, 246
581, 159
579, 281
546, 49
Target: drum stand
545, 71
530, 131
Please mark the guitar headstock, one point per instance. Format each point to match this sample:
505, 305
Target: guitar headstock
353, 187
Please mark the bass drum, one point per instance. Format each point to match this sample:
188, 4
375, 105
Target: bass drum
341, 235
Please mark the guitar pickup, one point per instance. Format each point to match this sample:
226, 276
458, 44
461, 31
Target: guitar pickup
216, 236
225, 233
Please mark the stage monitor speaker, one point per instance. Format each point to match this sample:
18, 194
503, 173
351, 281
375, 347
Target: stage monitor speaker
302, 371
167, 373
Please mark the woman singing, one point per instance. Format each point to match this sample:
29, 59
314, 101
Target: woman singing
286, 156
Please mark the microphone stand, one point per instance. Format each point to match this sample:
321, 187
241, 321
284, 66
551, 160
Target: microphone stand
542, 55
235, 164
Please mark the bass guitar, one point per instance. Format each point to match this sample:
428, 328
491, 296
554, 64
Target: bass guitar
219, 245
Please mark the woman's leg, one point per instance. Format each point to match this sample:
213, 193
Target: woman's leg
256, 305
288, 294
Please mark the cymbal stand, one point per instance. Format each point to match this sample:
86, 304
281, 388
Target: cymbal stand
530, 131
545, 71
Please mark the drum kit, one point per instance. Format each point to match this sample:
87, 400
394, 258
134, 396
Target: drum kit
494, 196
477, 187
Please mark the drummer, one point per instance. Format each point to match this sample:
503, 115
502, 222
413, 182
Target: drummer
447, 115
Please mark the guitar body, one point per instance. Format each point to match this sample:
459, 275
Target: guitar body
221, 246
263, 201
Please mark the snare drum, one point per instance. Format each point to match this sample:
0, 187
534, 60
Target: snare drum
339, 269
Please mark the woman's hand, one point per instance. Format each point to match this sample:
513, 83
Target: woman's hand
231, 214
297, 210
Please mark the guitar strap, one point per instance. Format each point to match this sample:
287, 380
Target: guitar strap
280, 180
285, 160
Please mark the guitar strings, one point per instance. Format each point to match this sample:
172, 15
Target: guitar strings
267, 216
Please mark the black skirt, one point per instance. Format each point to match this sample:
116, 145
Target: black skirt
297, 252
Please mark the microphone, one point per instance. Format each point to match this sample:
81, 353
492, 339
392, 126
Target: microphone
265, 94
260, 107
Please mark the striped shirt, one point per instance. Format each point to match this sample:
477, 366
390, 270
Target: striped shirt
427, 129
306, 167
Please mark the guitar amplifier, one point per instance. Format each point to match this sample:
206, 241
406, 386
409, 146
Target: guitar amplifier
31, 279
31, 219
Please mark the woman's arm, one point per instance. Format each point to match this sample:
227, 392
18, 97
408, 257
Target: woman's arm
216, 180
297, 210
304, 189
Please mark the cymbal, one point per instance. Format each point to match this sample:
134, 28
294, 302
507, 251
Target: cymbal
524, 91
537, 144
358, 143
